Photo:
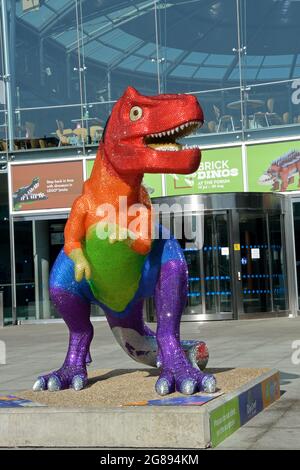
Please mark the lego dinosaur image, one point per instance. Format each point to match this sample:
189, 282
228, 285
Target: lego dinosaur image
281, 172
26, 194
118, 265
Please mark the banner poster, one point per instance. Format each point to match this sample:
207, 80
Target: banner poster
224, 421
152, 182
274, 167
39, 186
220, 171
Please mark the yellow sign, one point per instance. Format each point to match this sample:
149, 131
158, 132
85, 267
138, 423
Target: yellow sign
236, 247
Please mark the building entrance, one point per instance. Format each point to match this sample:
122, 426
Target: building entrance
237, 268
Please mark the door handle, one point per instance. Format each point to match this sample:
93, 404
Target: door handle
239, 276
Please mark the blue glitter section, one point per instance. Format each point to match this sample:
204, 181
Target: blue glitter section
163, 250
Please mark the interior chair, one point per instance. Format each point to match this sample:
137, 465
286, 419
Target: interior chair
224, 122
259, 120
29, 135
4, 145
212, 126
62, 133
286, 118
29, 129
95, 133
81, 133
272, 118
270, 105
60, 125
63, 139
68, 131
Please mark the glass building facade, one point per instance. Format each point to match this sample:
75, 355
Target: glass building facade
64, 63
68, 61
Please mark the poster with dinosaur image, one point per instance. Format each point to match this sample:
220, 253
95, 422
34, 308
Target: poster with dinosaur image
274, 167
40, 186
220, 171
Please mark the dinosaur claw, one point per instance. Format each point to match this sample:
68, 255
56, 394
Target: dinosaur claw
54, 384
162, 387
39, 385
78, 383
188, 387
209, 384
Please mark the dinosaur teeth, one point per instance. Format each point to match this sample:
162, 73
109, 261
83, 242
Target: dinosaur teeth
172, 147
166, 140
176, 130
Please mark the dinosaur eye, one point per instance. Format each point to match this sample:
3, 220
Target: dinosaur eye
135, 113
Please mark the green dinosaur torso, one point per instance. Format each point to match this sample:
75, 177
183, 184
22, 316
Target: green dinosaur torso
116, 270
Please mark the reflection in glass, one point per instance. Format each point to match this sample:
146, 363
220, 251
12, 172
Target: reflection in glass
71, 60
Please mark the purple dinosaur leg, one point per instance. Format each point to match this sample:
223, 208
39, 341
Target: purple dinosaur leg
177, 373
76, 313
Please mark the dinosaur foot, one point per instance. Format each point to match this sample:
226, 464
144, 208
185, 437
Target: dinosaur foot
186, 380
66, 377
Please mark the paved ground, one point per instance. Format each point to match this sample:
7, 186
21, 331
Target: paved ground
33, 349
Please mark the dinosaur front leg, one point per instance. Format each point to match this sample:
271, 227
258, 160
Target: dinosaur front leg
177, 373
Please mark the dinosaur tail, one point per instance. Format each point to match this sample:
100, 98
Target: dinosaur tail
142, 347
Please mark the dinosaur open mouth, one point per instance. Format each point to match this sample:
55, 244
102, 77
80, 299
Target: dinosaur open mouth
166, 140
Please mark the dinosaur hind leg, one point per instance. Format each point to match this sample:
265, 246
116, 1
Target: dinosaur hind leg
177, 372
74, 307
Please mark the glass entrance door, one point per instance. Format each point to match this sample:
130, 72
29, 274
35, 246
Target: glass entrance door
261, 257
209, 266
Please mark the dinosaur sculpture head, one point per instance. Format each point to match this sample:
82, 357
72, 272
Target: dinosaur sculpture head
142, 132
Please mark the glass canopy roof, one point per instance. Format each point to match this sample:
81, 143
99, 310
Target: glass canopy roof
122, 34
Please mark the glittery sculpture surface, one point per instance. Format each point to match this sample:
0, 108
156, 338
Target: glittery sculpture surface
127, 265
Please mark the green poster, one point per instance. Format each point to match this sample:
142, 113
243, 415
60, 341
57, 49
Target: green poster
274, 167
152, 182
224, 421
220, 171
89, 167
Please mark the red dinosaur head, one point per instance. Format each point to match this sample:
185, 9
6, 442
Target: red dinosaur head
141, 133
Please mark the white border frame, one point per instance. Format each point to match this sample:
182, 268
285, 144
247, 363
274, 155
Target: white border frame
33, 162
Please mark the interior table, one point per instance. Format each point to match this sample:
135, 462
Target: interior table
250, 104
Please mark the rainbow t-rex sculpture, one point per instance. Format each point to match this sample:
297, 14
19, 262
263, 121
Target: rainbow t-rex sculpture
117, 266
